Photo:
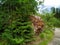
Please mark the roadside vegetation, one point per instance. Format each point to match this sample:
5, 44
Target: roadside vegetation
51, 23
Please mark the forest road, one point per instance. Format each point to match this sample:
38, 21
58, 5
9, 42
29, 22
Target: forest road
56, 39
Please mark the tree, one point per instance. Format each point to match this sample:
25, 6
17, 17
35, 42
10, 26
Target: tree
57, 15
53, 9
15, 26
56, 11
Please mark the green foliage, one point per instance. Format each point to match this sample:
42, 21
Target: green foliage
15, 26
24, 7
50, 20
48, 32
57, 23
46, 37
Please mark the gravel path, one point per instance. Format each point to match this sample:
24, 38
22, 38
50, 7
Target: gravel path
56, 40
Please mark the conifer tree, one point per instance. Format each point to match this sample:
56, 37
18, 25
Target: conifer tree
15, 26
